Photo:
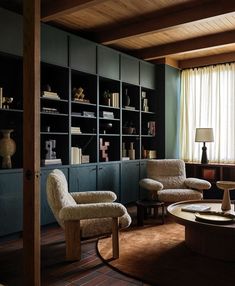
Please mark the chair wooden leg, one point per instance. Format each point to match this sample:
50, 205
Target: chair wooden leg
73, 240
115, 237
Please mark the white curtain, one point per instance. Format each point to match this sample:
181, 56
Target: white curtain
208, 100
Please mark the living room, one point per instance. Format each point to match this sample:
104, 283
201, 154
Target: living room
106, 95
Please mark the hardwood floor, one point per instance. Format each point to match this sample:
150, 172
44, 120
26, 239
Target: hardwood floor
91, 270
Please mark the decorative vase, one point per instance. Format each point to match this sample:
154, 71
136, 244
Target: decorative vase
7, 148
127, 99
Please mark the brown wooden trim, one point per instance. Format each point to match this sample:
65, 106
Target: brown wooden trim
204, 42
209, 60
165, 21
167, 61
115, 237
31, 140
73, 240
54, 9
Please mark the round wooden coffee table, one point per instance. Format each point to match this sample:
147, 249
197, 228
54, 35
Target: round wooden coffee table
212, 239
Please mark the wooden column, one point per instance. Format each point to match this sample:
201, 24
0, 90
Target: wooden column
31, 142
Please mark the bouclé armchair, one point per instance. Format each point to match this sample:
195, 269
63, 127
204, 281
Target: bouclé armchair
84, 215
166, 182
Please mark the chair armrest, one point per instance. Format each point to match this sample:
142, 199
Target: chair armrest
197, 184
94, 197
151, 185
89, 211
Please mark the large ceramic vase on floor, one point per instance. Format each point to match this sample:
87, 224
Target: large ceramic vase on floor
7, 148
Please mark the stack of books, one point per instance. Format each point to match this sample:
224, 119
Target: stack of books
108, 114
46, 162
50, 94
49, 110
75, 130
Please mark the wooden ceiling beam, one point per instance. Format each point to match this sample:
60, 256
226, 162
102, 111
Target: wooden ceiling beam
203, 42
208, 60
52, 9
166, 20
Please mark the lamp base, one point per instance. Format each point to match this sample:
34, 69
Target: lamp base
204, 159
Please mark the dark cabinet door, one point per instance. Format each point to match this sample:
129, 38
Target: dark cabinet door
11, 30
82, 55
11, 202
46, 213
147, 75
108, 63
130, 182
82, 178
54, 46
108, 178
130, 69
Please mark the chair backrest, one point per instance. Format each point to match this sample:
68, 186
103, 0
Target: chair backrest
57, 193
170, 172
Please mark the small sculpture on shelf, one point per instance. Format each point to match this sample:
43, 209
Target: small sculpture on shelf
78, 94
7, 148
131, 151
107, 98
128, 128
50, 157
104, 149
144, 101
5, 102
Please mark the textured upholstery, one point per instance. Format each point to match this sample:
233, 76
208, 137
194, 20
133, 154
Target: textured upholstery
94, 209
166, 181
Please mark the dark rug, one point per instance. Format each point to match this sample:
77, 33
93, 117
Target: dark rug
158, 255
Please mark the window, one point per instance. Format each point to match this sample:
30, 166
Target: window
208, 100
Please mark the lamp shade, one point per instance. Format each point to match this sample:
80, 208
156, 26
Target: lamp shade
204, 135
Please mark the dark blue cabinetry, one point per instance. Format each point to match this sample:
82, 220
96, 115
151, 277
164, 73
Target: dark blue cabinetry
11, 30
108, 63
82, 178
130, 182
11, 202
82, 55
147, 75
108, 177
54, 46
129, 69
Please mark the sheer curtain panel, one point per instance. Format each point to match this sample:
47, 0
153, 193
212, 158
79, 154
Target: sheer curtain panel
208, 100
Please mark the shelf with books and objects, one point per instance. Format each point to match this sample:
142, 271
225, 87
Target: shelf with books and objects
109, 148
83, 88
130, 97
109, 92
83, 147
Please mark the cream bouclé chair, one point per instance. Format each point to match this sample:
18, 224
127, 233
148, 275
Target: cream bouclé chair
84, 214
166, 181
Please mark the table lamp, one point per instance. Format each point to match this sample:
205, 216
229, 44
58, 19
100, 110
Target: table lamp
204, 135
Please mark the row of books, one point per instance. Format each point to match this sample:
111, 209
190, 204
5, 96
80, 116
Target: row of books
77, 157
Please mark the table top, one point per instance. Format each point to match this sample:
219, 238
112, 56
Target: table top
189, 218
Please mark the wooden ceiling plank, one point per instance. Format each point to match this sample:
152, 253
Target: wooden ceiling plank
52, 10
208, 60
203, 42
165, 21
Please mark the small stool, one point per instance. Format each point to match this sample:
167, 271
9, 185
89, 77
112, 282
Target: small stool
144, 205
226, 186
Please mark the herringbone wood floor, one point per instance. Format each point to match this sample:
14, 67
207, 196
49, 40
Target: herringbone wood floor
91, 270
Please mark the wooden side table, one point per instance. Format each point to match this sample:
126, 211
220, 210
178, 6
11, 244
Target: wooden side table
226, 186
144, 205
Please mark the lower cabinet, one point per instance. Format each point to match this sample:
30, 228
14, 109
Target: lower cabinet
11, 202
47, 216
109, 178
82, 178
130, 182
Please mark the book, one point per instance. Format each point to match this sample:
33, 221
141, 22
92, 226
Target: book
46, 162
195, 208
